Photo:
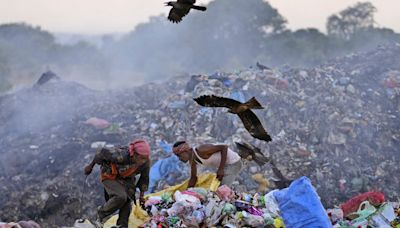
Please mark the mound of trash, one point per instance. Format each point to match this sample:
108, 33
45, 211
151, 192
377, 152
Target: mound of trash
337, 124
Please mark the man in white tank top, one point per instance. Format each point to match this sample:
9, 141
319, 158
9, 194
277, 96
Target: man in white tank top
227, 162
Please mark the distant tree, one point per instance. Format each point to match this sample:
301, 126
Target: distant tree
351, 20
229, 33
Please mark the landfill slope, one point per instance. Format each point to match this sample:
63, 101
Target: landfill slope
337, 123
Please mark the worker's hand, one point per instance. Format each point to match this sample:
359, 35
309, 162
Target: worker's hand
192, 182
88, 169
220, 174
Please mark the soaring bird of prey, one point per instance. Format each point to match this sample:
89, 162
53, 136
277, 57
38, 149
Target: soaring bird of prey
181, 8
243, 110
250, 152
247, 150
282, 181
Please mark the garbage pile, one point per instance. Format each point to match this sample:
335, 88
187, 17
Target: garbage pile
368, 209
296, 206
337, 124
196, 207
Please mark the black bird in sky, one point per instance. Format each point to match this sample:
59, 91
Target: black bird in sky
243, 110
181, 8
246, 150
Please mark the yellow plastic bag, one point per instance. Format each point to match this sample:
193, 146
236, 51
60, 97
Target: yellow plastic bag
139, 216
206, 180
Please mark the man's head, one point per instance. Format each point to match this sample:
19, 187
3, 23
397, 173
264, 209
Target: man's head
182, 150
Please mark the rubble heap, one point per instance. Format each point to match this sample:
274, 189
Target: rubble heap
338, 124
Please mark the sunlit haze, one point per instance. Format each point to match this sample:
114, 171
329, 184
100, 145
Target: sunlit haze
104, 16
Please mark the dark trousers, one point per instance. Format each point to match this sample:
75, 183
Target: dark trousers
118, 197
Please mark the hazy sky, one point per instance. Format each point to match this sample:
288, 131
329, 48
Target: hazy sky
108, 16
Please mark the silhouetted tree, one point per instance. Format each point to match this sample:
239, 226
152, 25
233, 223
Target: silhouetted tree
351, 20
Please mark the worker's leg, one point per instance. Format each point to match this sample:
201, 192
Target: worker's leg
231, 172
124, 212
117, 198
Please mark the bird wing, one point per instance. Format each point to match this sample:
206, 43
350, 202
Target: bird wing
244, 150
261, 159
215, 101
253, 125
191, 2
176, 14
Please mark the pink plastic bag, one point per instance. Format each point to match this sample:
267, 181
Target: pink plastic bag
98, 123
225, 193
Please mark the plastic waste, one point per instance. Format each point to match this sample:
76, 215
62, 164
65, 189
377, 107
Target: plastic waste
166, 197
352, 205
199, 216
271, 204
225, 193
300, 205
255, 211
178, 196
364, 211
335, 215
193, 193
172, 220
242, 205
98, 123
201, 191
384, 217
278, 223
229, 208
251, 220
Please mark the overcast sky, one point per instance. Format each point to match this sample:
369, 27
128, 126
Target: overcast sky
109, 16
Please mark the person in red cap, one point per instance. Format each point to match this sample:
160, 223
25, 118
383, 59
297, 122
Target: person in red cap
119, 167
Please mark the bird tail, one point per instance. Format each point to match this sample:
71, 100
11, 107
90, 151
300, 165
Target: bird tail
253, 104
201, 8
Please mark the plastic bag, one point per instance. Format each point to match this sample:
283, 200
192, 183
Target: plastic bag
270, 203
375, 198
225, 193
300, 205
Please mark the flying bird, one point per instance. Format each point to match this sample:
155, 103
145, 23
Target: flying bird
243, 110
282, 181
181, 8
250, 152
262, 67
247, 150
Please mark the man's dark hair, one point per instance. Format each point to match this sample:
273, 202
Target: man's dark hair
178, 143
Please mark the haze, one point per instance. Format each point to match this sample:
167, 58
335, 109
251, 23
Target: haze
118, 16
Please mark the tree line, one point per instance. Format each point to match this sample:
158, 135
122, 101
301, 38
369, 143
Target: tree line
230, 35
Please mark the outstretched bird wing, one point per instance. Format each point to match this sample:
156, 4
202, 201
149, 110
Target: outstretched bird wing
246, 149
283, 182
214, 101
253, 125
191, 2
176, 14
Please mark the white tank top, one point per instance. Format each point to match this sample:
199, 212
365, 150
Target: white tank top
215, 159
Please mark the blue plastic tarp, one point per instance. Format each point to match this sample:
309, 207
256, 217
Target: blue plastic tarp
164, 168
300, 205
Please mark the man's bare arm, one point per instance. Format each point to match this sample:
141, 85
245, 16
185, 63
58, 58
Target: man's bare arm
193, 173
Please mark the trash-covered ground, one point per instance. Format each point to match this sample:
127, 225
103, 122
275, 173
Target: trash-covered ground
296, 206
337, 124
